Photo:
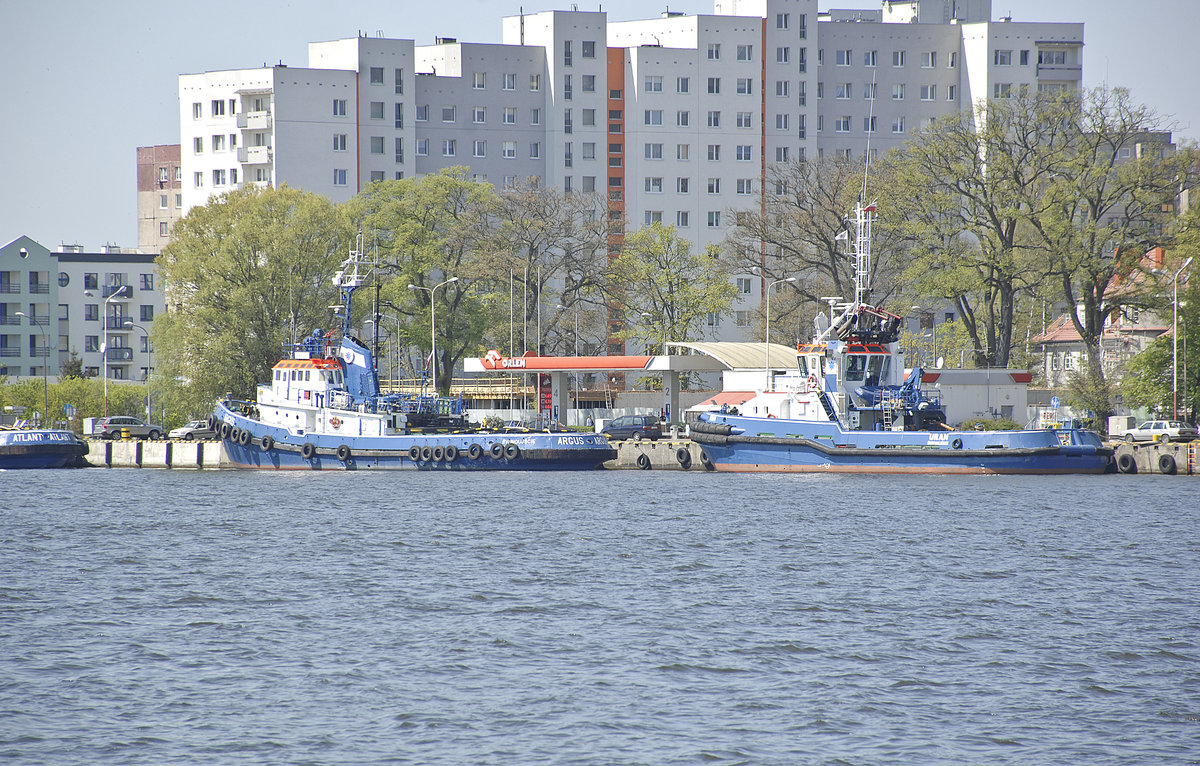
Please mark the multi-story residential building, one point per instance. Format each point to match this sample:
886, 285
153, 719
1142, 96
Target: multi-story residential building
159, 195
73, 302
675, 119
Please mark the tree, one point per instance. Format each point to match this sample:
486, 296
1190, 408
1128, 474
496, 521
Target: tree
658, 275
1107, 200
245, 274
73, 367
428, 230
960, 191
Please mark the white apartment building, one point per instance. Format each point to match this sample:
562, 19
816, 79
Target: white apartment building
676, 119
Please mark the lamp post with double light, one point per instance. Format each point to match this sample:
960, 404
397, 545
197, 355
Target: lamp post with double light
149, 367
118, 293
767, 333
433, 326
45, 364
1175, 339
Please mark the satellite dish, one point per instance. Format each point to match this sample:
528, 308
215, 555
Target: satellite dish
941, 361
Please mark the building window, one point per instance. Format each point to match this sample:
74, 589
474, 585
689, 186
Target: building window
714, 319
448, 113
91, 343
399, 81
510, 81
897, 58
745, 86
844, 57
714, 219
377, 75
870, 58
869, 91
714, 119
589, 83
898, 92
781, 20
1002, 90
714, 152
869, 124
218, 176
929, 59
376, 144
842, 124
566, 53
746, 119
653, 83
714, 85
928, 92
745, 53
654, 185
844, 89
714, 186
339, 177
1025, 57
898, 125
509, 150
744, 285
422, 147
781, 122
683, 119
479, 148
682, 84
745, 186
1002, 58
479, 115
654, 151
162, 201
589, 150
479, 82
510, 115
952, 61
951, 92
589, 183
198, 145
714, 51
339, 107
535, 116
653, 117
535, 82
588, 49
197, 110
683, 151
146, 313
589, 117
683, 219
745, 152
535, 150
783, 55
1050, 58
422, 112
781, 88
683, 185
339, 142
162, 229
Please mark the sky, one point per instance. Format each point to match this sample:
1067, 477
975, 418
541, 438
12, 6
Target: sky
84, 83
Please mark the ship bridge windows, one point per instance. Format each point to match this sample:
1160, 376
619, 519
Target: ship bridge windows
868, 369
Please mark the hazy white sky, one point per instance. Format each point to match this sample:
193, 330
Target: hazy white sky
84, 83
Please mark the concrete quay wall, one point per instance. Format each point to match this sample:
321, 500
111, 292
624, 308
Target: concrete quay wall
162, 454
1178, 458
658, 455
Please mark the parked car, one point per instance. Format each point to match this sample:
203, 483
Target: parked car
197, 429
113, 428
1161, 431
633, 427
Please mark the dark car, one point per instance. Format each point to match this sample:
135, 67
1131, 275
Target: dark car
633, 427
114, 427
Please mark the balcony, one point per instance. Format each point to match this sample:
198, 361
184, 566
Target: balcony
254, 155
117, 323
11, 288
10, 320
39, 288
254, 120
111, 290
9, 351
119, 354
1060, 72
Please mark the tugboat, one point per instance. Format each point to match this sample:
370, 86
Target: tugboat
40, 448
849, 408
323, 410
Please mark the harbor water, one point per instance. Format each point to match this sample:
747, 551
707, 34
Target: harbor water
151, 617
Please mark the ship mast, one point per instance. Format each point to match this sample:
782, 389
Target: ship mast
352, 274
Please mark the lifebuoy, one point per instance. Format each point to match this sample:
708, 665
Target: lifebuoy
684, 456
427, 453
308, 450
643, 462
956, 444
706, 461
245, 437
770, 415
474, 452
512, 451
812, 383
451, 453
439, 454
343, 453
336, 422
1126, 463
1166, 464
267, 443
497, 450
414, 453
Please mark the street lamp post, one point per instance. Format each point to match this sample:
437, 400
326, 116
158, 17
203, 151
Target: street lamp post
767, 333
118, 293
1175, 339
45, 364
564, 308
149, 367
433, 326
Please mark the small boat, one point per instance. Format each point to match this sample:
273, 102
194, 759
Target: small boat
323, 409
41, 448
848, 407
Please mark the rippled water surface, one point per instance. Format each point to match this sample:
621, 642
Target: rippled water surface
151, 617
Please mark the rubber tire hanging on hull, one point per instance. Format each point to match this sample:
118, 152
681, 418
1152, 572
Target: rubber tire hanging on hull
706, 462
439, 454
497, 450
267, 443
414, 453
643, 462
1166, 465
684, 456
451, 453
245, 437
512, 451
308, 451
343, 453
426, 453
1126, 463
474, 452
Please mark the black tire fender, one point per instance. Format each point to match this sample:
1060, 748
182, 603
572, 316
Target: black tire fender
1166, 464
1126, 463
511, 451
343, 453
414, 453
266, 443
308, 451
474, 452
451, 453
439, 453
684, 456
497, 450
245, 437
956, 444
643, 462
427, 453
706, 461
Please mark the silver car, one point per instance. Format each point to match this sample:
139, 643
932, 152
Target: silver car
197, 429
1161, 431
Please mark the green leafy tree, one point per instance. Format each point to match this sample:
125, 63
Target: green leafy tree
246, 274
664, 289
429, 230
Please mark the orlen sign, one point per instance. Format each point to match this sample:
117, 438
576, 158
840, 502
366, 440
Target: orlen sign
494, 361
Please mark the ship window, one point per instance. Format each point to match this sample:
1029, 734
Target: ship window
802, 363
856, 365
877, 370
